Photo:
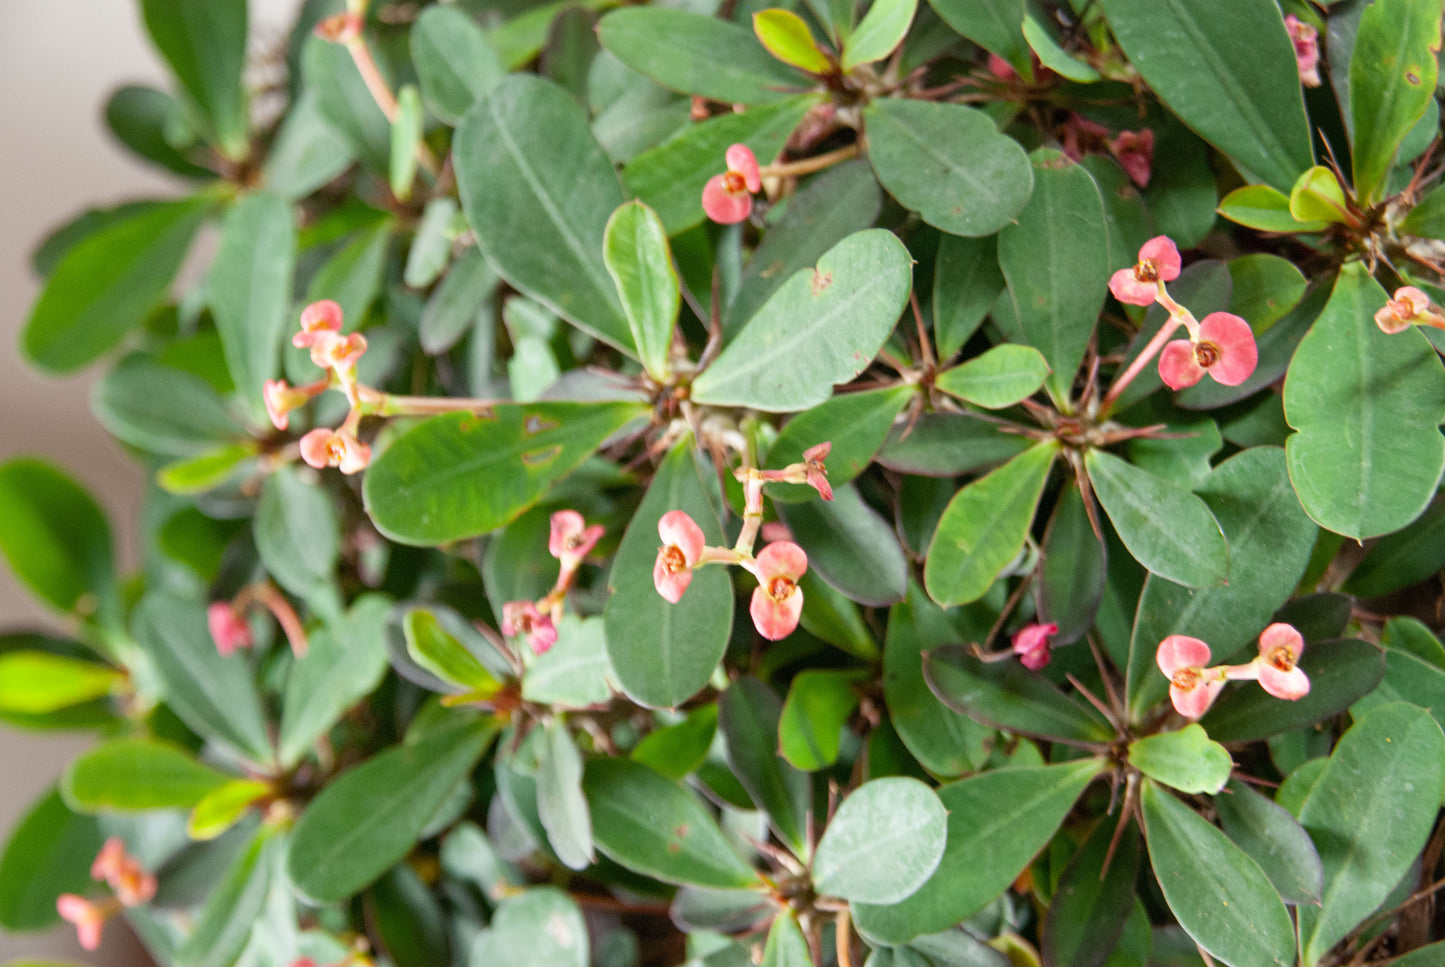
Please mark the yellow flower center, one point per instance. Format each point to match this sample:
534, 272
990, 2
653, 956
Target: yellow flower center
1282, 659
1185, 678
781, 588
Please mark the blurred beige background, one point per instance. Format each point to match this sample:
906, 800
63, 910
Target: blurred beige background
59, 61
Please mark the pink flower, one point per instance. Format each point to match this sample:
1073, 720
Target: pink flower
1134, 150
1279, 674
323, 448
813, 457
570, 539
1158, 262
777, 602
1224, 348
322, 316
682, 544
229, 631
89, 918
728, 198
124, 874
523, 618
1192, 687
1031, 644
1410, 306
1306, 50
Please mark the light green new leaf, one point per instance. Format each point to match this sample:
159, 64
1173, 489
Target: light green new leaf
1366, 840
999, 377
635, 249
1054, 57
1366, 405
55, 537
883, 843
406, 132
821, 328
663, 653
819, 704
654, 826
1318, 196
137, 774
1427, 219
749, 715
1168, 529
454, 62
36, 682
108, 283
1392, 81
433, 648
560, 804
463, 474
370, 816
786, 36
1243, 98
1264, 208
538, 192
882, 29
948, 163
1185, 759
222, 807
1220, 896
249, 292
204, 42
984, 526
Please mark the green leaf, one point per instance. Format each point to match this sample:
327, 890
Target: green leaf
1243, 98
696, 54
670, 177
1402, 558
1367, 841
1272, 838
948, 444
999, 377
1366, 405
214, 695
822, 327
574, 672
560, 804
1270, 541
997, 822
224, 924
749, 715
541, 927
948, 163
49, 852
855, 423
883, 843
345, 103
945, 741
108, 283
1427, 219
664, 653
343, 665
786, 36
827, 209
204, 42
463, 474
406, 132
370, 816
1074, 569
1264, 208
35, 682
249, 292
995, 25
1221, 897
55, 537
1340, 672
640, 263
431, 647
1168, 529
984, 527
1054, 57
136, 774
1055, 257
1317, 196
352, 277
297, 533
818, 706
454, 62
882, 29
162, 410
1008, 696
850, 546
307, 153
1093, 899
1392, 81
654, 826
1263, 289
538, 192
462, 300
1408, 678
966, 284
785, 946
141, 118
676, 750
1185, 759
223, 807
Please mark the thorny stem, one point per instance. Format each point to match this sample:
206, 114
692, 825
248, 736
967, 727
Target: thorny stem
1137, 366
266, 595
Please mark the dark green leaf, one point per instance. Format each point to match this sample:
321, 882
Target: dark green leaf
749, 714
966, 283
850, 546
297, 533
883, 843
162, 410
1408, 678
49, 853
995, 25
459, 302
55, 537
1093, 900
947, 444
204, 42
307, 153
856, 424
1008, 696
142, 118
454, 62
343, 100
676, 750
1264, 288
1340, 672
1272, 838
1073, 571
574, 672
1402, 558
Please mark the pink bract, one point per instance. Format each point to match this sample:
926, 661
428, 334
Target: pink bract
1225, 349
229, 631
570, 538
1192, 687
523, 618
1398, 314
276, 393
817, 472
1280, 646
321, 316
88, 918
740, 158
1031, 644
1306, 50
322, 448
722, 204
682, 544
1158, 262
777, 601
1134, 150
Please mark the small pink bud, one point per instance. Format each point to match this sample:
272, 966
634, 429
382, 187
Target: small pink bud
1224, 348
280, 400
339, 28
1306, 50
229, 631
1031, 644
813, 457
322, 316
123, 873
1158, 262
1280, 646
323, 448
682, 544
728, 198
1192, 687
1001, 68
523, 618
778, 601
570, 539
89, 918
1134, 150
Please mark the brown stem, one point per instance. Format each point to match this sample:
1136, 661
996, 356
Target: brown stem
792, 169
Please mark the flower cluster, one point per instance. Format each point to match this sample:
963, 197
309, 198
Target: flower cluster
728, 198
1409, 307
570, 541
1133, 150
1222, 345
131, 883
777, 602
1194, 687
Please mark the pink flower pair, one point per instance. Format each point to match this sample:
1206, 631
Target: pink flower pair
123, 873
1193, 687
570, 541
728, 198
777, 602
1409, 307
321, 333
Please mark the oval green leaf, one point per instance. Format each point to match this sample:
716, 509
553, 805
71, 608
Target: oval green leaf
1186, 759
36, 682
999, 377
749, 714
455, 64
635, 249
883, 843
136, 774
49, 852
1008, 696
1274, 840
